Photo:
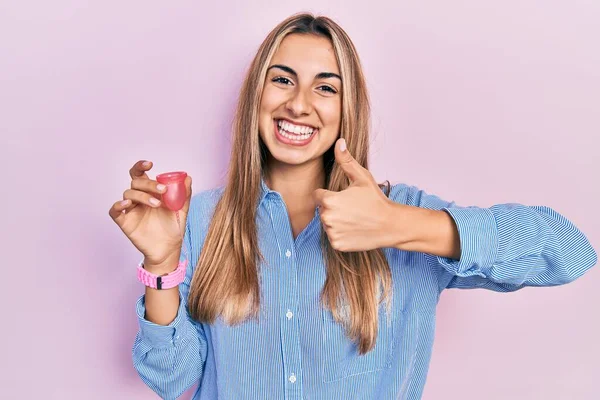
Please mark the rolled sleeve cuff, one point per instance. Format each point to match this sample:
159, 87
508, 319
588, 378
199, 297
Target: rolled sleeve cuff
478, 235
156, 335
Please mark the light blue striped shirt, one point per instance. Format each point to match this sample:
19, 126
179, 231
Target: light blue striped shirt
297, 351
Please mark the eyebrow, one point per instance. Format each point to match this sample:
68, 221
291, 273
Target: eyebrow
320, 75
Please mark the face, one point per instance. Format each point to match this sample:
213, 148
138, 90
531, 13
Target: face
300, 111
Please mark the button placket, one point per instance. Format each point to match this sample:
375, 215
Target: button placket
288, 296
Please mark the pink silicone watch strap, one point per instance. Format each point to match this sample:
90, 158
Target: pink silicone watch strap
162, 282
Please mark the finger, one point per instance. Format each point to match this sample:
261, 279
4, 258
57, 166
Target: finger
322, 197
349, 165
137, 196
326, 221
139, 169
119, 207
188, 186
149, 186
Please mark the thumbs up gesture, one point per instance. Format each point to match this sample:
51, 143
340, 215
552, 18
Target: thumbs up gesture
358, 217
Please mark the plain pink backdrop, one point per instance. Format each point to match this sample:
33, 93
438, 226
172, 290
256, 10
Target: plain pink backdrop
477, 101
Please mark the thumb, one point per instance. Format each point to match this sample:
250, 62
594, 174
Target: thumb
188, 188
351, 167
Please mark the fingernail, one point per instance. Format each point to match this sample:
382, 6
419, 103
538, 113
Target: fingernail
160, 187
124, 202
343, 145
154, 201
146, 163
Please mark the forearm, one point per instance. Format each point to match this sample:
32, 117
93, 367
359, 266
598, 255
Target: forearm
424, 230
162, 305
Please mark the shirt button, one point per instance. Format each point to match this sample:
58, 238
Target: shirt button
289, 314
293, 378
288, 254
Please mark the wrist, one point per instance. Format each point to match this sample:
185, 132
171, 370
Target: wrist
412, 226
426, 231
160, 277
400, 225
162, 268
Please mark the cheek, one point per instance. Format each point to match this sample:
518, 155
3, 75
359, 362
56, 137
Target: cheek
331, 115
265, 111
271, 100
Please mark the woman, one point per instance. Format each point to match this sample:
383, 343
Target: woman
307, 279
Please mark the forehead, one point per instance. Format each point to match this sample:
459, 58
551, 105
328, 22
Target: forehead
306, 53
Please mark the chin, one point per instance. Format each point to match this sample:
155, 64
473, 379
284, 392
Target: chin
288, 156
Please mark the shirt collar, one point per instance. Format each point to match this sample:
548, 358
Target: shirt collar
264, 189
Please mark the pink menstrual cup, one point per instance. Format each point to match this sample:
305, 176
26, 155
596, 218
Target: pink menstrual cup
175, 196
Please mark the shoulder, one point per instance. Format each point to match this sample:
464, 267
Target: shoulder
202, 206
206, 199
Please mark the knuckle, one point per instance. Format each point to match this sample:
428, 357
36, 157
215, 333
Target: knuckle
327, 219
328, 201
148, 196
334, 244
136, 183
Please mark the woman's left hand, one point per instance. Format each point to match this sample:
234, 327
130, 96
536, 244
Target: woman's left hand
359, 217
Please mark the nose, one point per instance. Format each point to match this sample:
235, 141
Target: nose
299, 104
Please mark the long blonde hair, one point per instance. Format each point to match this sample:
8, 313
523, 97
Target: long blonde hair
226, 280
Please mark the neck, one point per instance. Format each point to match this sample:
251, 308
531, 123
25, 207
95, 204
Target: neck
296, 183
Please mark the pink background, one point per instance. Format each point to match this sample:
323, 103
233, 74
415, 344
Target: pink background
480, 103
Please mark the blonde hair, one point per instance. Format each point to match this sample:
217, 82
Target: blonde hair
226, 280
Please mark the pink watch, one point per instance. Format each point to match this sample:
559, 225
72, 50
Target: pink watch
159, 282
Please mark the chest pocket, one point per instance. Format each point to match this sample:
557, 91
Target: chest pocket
341, 358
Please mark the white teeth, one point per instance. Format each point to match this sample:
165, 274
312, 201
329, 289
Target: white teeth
294, 129
293, 136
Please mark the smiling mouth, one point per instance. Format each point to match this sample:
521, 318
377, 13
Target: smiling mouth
295, 132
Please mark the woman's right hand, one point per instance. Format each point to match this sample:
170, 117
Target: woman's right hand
149, 225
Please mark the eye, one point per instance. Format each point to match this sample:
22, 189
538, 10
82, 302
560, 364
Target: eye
281, 79
328, 89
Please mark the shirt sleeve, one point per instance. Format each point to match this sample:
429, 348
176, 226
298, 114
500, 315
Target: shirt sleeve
170, 359
507, 246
